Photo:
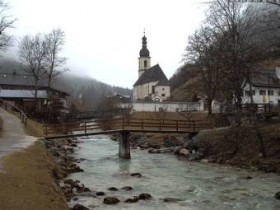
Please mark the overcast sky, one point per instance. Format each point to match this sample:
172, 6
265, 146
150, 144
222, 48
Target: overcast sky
103, 38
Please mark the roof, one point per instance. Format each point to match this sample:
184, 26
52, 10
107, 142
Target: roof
4, 93
153, 74
265, 78
21, 78
144, 52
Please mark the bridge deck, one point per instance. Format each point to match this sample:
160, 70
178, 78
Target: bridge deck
116, 131
98, 127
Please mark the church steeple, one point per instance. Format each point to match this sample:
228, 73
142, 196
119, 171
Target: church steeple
144, 59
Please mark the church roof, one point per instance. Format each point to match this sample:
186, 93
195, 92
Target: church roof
144, 52
153, 74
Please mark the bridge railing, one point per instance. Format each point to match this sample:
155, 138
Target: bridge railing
128, 124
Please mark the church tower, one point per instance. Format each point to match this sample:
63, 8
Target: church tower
144, 59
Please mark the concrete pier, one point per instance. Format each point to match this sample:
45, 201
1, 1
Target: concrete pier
124, 146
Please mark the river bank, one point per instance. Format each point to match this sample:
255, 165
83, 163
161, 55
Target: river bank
27, 181
239, 147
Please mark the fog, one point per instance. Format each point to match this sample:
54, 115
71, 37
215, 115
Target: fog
103, 38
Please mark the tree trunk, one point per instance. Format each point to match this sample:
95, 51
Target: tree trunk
209, 106
36, 96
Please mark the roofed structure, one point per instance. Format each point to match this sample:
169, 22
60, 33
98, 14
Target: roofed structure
152, 74
152, 84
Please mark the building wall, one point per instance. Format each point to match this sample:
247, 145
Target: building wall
260, 99
143, 91
168, 107
142, 66
163, 92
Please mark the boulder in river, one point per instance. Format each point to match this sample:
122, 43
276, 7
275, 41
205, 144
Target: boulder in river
154, 145
138, 175
184, 152
132, 200
127, 188
144, 196
246, 177
113, 189
277, 195
171, 200
79, 207
172, 141
154, 151
100, 193
111, 200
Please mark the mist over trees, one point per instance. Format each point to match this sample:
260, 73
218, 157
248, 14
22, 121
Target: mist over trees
85, 93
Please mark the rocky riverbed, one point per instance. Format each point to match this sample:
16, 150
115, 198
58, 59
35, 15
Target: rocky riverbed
92, 176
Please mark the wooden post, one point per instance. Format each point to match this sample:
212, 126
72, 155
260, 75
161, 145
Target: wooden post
177, 125
193, 125
124, 146
85, 127
46, 130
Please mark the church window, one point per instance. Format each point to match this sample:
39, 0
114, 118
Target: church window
153, 89
145, 63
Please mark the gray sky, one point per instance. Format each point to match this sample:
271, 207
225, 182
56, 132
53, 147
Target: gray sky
103, 37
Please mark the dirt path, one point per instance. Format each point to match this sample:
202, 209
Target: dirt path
26, 176
13, 137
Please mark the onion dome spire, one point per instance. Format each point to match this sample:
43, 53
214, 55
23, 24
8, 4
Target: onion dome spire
144, 52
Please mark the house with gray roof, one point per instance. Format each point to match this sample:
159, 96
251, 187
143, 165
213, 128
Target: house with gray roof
18, 88
152, 84
265, 87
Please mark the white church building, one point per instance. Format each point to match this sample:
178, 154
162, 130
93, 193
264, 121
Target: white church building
152, 84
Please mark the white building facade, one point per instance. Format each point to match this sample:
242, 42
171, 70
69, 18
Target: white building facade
265, 87
152, 84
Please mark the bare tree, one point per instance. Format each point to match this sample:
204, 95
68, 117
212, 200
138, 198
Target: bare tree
32, 52
240, 49
203, 50
54, 42
6, 22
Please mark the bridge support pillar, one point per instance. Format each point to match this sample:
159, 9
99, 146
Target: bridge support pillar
124, 146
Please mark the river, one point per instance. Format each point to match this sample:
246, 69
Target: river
200, 186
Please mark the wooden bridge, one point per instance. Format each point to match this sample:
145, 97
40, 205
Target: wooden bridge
124, 127
99, 113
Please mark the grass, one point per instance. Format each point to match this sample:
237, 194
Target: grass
241, 146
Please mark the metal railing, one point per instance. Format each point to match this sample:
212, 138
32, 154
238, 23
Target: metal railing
9, 107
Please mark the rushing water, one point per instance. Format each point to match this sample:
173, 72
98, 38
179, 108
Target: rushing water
198, 185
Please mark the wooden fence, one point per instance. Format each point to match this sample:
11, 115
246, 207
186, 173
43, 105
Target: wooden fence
141, 125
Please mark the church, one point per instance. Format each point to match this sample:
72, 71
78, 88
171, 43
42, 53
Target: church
152, 84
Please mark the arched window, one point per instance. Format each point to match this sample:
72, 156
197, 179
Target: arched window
145, 63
